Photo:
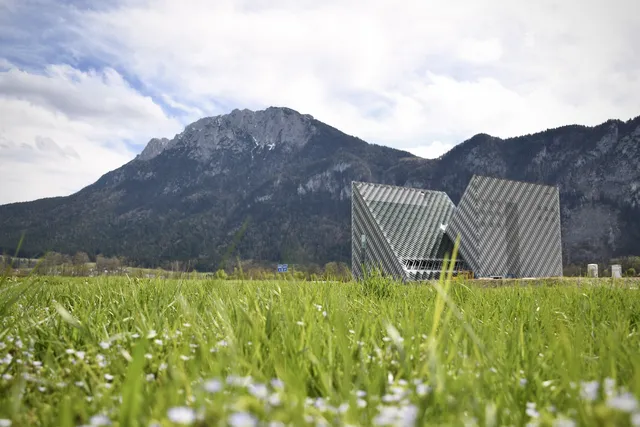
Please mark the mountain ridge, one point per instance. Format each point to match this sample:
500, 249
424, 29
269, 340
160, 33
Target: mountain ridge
185, 197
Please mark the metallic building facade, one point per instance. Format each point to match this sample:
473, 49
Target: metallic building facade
399, 230
509, 228
506, 228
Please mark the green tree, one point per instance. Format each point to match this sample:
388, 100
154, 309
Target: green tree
331, 270
79, 262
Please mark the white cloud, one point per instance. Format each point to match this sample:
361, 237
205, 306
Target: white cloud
480, 51
315, 57
403, 75
432, 150
63, 129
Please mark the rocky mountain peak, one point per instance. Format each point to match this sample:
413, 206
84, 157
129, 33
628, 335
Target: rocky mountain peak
240, 131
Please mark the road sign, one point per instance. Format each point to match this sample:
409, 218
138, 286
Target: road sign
283, 268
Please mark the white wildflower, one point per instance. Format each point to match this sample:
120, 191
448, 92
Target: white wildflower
324, 313
351, 331
635, 419
531, 410
258, 390
547, 383
108, 377
186, 325
80, 355
5, 422
609, 386
589, 390
183, 357
213, 386
105, 345
152, 334
422, 389
242, 419
135, 335
625, 402
274, 400
148, 356
99, 420
393, 415
150, 377
390, 398
361, 403
163, 366
70, 351
181, 415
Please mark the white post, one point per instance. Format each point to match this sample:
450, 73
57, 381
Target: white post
616, 271
592, 270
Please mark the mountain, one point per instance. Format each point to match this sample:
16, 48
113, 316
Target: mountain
274, 185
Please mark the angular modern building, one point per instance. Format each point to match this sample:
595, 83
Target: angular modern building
506, 229
399, 230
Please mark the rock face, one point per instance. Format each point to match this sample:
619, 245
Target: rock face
153, 148
275, 185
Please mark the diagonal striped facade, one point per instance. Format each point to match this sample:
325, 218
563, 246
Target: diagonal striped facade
506, 228
399, 230
509, 228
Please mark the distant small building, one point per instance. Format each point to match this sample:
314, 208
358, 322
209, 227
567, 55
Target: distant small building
506, 229
616, 271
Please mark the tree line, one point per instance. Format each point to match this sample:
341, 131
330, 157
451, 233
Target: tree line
81, 264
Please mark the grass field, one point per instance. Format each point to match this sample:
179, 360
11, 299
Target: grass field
132, 352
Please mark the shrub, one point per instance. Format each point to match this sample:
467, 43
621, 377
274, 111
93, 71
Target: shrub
631, 272
376, 284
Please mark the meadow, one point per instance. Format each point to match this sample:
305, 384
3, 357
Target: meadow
152, 352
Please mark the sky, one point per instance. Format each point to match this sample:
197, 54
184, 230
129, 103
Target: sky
85, 84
